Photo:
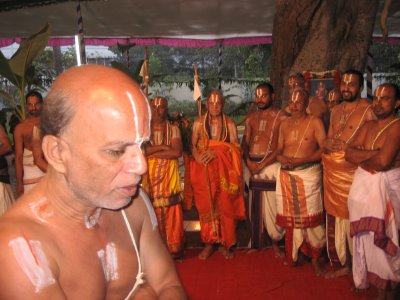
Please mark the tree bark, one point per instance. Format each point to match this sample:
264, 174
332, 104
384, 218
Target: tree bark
319, 35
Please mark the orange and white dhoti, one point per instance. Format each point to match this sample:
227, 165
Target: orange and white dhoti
300, 210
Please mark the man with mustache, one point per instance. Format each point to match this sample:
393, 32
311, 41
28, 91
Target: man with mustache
26, 171
299, 182
86, 230
162, 179
259, 145
374, 198
345, 121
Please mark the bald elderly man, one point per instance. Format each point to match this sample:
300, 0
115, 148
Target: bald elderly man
87, 231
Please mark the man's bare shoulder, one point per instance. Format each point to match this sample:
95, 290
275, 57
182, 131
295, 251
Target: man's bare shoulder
229, 121
20, 224
141, 210
364, 103
280, 113
286, 122
394, 130
251, 116
26, 125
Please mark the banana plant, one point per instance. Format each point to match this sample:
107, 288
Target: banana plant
19, 69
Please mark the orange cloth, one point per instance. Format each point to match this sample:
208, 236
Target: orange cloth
170, 224
163, 186
338, 177
226, 188
299, 198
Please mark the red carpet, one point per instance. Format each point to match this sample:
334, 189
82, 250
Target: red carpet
258, 275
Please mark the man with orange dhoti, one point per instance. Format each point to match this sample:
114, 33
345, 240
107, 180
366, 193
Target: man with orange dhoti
216, 176
162, 179
299, 182
374, 198
345, 121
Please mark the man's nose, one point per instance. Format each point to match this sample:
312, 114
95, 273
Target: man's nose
135, 163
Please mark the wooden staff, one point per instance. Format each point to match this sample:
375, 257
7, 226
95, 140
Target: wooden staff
146, 73
204, 147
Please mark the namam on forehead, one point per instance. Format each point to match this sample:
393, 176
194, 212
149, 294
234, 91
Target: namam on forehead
299, 95
215, 97
158, 101
347, 78
115, 96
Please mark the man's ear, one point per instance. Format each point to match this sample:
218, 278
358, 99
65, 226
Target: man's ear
54, 149
397, 104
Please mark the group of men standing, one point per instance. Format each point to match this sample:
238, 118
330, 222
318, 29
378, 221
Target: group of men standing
314, 170
346, 181
340, 190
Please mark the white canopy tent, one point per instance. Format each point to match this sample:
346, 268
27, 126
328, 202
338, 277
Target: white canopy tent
151, 20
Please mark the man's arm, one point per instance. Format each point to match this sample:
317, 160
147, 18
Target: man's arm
25, 270
162, 280
246, 139
5, 145
383, 160
205, 156
355, 152
37, 152
285, 161
329, 143
173, 151
19, 150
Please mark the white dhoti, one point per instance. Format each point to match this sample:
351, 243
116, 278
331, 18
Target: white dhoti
374, 207
32, 173
275, 232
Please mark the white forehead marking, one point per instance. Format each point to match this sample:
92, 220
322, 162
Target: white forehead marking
41, 209
109, 262
33, 262
139, 139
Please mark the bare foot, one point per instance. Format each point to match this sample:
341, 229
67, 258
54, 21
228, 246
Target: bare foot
338, 273
356, 290
318, 269
225, 252
207, 252
250, 250
278, 252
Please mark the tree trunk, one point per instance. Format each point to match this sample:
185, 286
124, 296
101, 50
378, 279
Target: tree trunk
319, 35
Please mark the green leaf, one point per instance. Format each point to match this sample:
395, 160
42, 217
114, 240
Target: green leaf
28, 50
6, 71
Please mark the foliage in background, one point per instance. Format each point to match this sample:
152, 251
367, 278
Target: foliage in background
20, 71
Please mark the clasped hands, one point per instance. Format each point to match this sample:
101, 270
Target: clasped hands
205, 157
334, 145
253, 166
287, 162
